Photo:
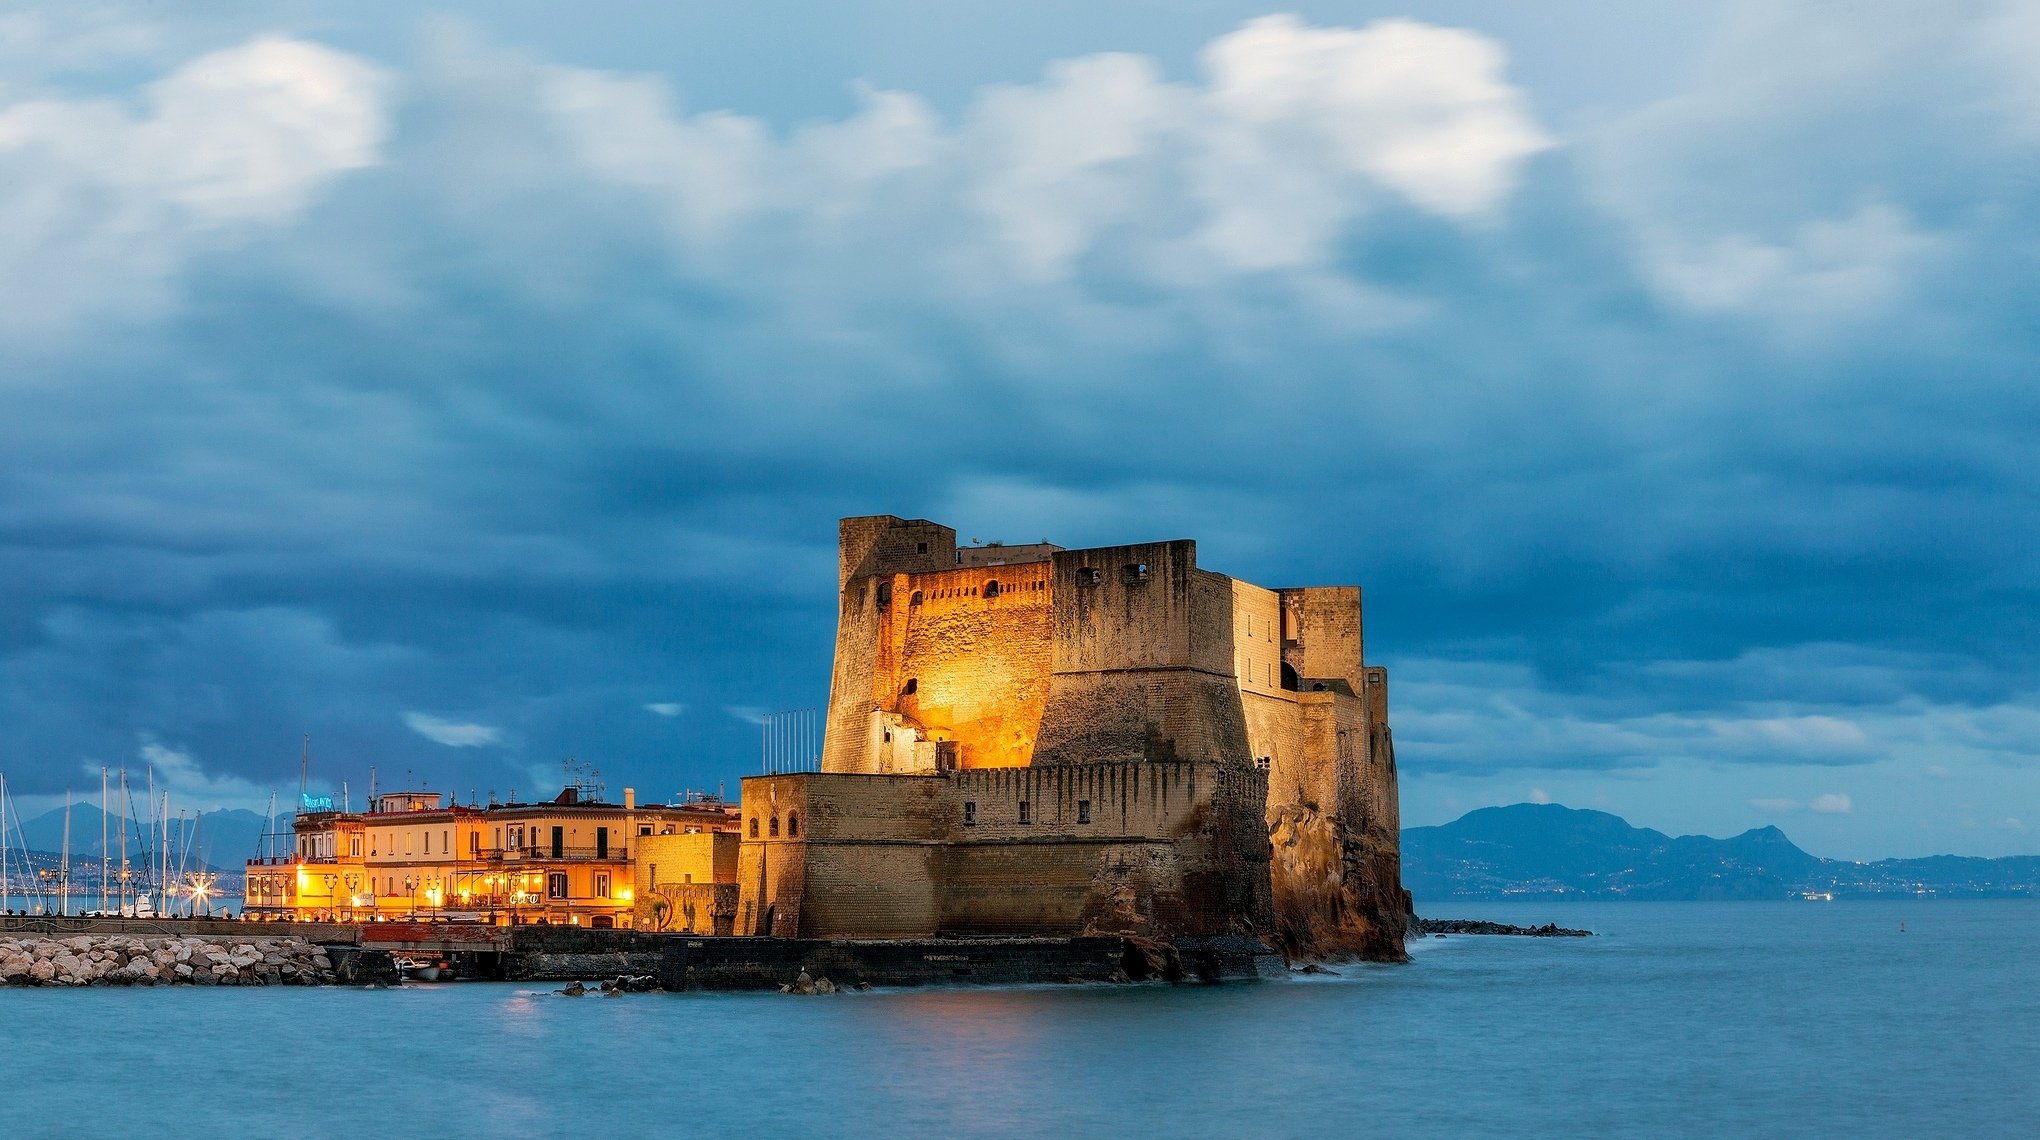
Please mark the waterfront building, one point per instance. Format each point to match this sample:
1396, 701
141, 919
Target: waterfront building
570, 860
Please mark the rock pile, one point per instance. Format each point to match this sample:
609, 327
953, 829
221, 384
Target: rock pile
127, 960
1440, 927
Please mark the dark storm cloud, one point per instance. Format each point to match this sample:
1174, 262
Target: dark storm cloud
526, 399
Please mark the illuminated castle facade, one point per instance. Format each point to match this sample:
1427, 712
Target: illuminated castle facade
1032, 740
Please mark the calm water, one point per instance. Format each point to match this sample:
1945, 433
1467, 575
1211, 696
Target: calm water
1769, 1019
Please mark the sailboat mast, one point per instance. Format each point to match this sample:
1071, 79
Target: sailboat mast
163, 855
6, 884
126, 808
64, 876
103, 868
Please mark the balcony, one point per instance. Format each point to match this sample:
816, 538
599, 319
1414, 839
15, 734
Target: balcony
546, 853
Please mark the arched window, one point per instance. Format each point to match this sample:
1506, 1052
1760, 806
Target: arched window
914, 599
775, 827
754, 827
1290, 680
884, 594
912, 686
991, 589
793, 825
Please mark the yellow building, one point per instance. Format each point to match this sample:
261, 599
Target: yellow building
687, 882
566, 861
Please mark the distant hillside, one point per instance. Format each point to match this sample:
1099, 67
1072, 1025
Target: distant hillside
221, 839
1543, 851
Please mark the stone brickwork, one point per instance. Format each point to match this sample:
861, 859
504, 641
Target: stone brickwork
1031, 740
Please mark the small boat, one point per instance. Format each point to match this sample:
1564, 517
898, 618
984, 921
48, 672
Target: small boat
425, 969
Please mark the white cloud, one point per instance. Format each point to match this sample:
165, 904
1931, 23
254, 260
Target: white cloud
99, 202
2012, 823
666, 708
453, 734
750, 714
1827, 268
1833, 803
1539, 796
1296, 132
178, 772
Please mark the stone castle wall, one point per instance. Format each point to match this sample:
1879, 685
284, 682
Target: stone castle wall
1107, 848
1127, 664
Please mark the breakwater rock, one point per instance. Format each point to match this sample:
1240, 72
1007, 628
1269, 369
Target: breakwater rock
1422, 926
130, 960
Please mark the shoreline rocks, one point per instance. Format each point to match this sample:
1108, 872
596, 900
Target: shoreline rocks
132, 960
1442, 926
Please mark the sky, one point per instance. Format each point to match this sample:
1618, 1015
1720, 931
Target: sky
476, 387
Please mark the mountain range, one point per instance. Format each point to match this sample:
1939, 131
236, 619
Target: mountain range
1549, 851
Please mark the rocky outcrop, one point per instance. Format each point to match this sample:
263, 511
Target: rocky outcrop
1443, 926
1338, 889
128, 960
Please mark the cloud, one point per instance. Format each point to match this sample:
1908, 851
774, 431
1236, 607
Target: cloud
666, 708
453, 734
1692, 436
105, 204
1539, 796
1832, 803
177, 772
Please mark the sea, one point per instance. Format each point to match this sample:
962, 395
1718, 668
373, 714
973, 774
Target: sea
1797, 1019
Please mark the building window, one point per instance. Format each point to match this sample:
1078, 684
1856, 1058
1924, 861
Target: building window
920, 548
970, 813
912, 686
792, 824
1089, 576
1025, 815
914, 599
1136, 572
601, 884
775, 827
991, 589
556, 885
644, 829
754, 827
1083, 811
884, 594
1263, 763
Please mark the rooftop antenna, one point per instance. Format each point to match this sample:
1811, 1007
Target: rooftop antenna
304, 770
371, 787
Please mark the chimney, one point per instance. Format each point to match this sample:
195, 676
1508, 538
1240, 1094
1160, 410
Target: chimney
630, 799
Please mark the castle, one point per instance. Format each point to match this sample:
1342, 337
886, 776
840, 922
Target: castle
1033, 740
